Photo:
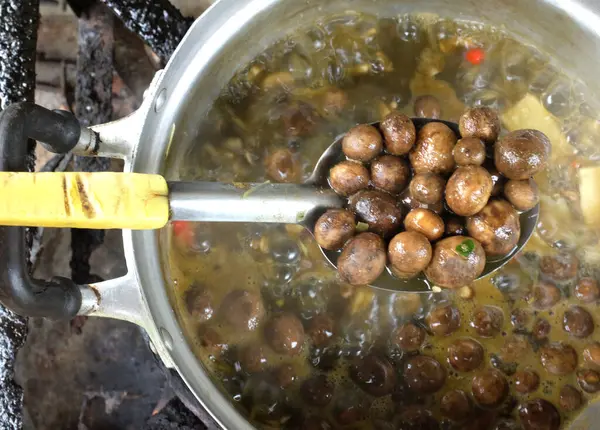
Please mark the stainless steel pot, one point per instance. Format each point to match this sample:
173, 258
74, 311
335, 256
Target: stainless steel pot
229, 34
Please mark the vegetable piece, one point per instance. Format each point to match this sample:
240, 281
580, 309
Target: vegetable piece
529, 112
184, 232
466, 248
475, 56
589, 191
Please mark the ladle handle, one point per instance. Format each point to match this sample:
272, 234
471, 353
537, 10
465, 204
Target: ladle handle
135, 201
99, 200
237, 202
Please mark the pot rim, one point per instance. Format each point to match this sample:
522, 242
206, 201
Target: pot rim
198, 49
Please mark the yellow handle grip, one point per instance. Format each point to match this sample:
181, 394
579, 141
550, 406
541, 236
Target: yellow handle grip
99, 200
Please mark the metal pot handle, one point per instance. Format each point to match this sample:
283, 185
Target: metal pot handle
61, 298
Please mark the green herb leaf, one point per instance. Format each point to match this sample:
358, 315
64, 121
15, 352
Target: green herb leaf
361, 226
466, 248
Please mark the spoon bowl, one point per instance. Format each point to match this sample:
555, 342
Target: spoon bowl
141, 201
387, 281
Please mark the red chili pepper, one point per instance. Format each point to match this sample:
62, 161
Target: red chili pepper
184, 232
475, 56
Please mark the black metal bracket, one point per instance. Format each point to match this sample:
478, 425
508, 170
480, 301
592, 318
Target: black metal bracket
59, 298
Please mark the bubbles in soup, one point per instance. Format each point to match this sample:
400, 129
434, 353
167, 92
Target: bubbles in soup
338, 352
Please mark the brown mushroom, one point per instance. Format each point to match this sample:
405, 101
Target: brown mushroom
348, 177
423, 374
390, 173
417, 418
457, 261
399, 133
519, 318
299, 119
541, 329
374, 374
539, 414
522, 153
570, 398
334, 228
426, 222
285, 334
362, 143
405, 305
198, 302
578, 322
558, 358
468, 190
515, 348
283, 166
465, 355
526, 381
252, 358
591, 354
443, 320
560, 267
378, 210
409, 253
489, 388
455, 405
545, 295
588, 380
363, 259
480, 122
410, 203
211, 341
433, 151
408, 337
487, 321
286, 375
523, 194
497, 227
350, 407
428, 106
427, 188
321, 330
243, 309
469, 151
587, 290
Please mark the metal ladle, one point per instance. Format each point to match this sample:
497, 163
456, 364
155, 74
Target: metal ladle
104, 200
303, 204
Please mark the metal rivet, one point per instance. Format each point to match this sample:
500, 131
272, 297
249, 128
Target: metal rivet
161, 98
166, 338
152, 347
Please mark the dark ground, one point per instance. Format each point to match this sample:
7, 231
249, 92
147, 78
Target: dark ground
68, 369
89, 374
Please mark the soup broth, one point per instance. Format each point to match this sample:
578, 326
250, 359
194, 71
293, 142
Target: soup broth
292, 345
